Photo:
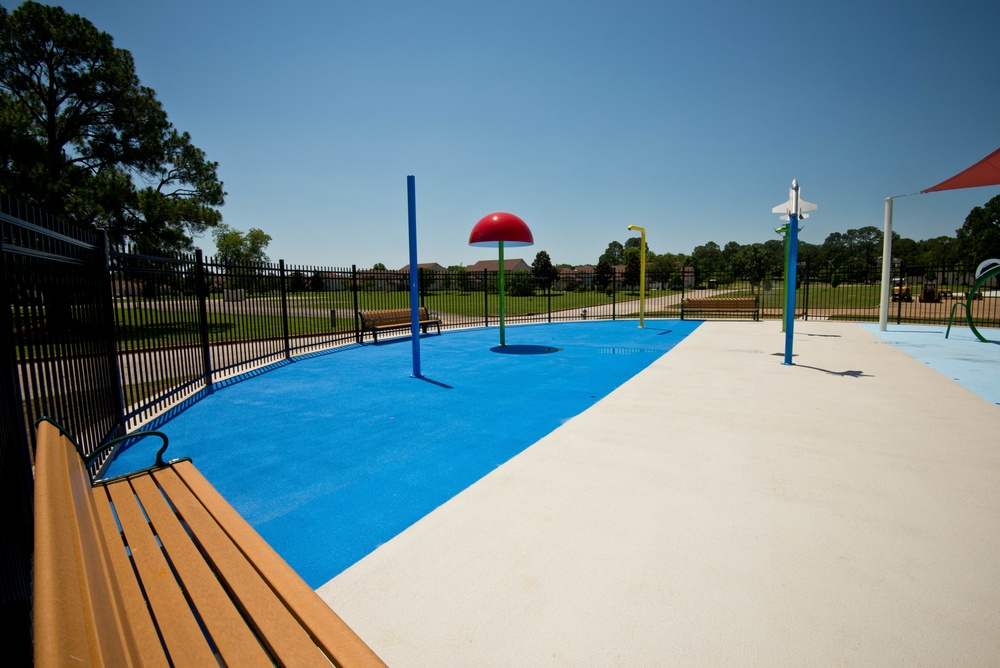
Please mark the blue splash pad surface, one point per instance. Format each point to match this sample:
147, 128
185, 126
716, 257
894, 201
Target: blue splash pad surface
332, 455
962, 357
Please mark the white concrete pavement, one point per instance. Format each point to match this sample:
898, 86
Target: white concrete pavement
718, 509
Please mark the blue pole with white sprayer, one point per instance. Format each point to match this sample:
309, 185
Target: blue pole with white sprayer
793, 210
411, 196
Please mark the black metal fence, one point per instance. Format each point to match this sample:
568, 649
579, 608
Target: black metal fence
919, 294
60, 355
183, 323
104, 339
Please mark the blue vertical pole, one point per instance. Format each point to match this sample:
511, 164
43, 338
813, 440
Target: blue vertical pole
411, 193
784, 233
792, 240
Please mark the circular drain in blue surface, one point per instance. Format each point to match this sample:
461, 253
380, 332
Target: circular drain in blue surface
525, 350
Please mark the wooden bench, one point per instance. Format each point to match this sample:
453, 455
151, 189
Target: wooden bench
379, 321
156, 568
721, 306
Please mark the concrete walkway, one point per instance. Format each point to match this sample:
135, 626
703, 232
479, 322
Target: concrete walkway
719, 509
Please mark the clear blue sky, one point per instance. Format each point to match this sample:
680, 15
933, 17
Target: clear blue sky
690, 118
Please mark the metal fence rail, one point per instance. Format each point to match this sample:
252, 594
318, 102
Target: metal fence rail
157, 330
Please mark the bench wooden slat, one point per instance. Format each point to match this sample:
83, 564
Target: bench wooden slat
340, 643
72, 609
715, 303
285, 638
181, 634
147, 642
224, 622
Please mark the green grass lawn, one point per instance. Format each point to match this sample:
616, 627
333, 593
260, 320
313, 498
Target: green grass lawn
169, 322
820, 296
466, 304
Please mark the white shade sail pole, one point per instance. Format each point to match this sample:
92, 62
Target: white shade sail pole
883, 302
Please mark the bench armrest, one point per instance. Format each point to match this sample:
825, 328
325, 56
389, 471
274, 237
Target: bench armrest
88, 459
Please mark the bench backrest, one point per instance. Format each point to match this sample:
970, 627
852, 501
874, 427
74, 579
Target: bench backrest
77, 605
721, 302
399, 316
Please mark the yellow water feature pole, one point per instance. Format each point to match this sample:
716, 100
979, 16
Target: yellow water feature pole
642, 274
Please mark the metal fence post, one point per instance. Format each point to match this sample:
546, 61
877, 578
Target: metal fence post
354, 291
899, 302
614, 291
805, 281
114, 371
16, 489
284, 309
486, 297
422, 286
201, 290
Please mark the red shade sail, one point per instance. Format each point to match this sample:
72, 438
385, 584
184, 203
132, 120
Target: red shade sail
500, 226
986, 172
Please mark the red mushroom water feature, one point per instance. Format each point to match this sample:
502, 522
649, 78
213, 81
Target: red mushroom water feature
498, 229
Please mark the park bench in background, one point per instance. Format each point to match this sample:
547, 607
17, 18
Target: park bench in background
721, 307
379, 321
156, 568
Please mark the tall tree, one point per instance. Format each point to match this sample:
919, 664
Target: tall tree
941, 251
460, 277
604, 273
317, 282
979, 237
636, 242
774, 255
615, 254
835, 248
633, 268
907, 250
236, 249
297, 282
85, 141
663, 268
751, 263
729, 252
865, 244
545, 273
707, 259
811, 254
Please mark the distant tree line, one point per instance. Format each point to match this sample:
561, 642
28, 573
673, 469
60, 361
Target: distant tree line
978, 239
